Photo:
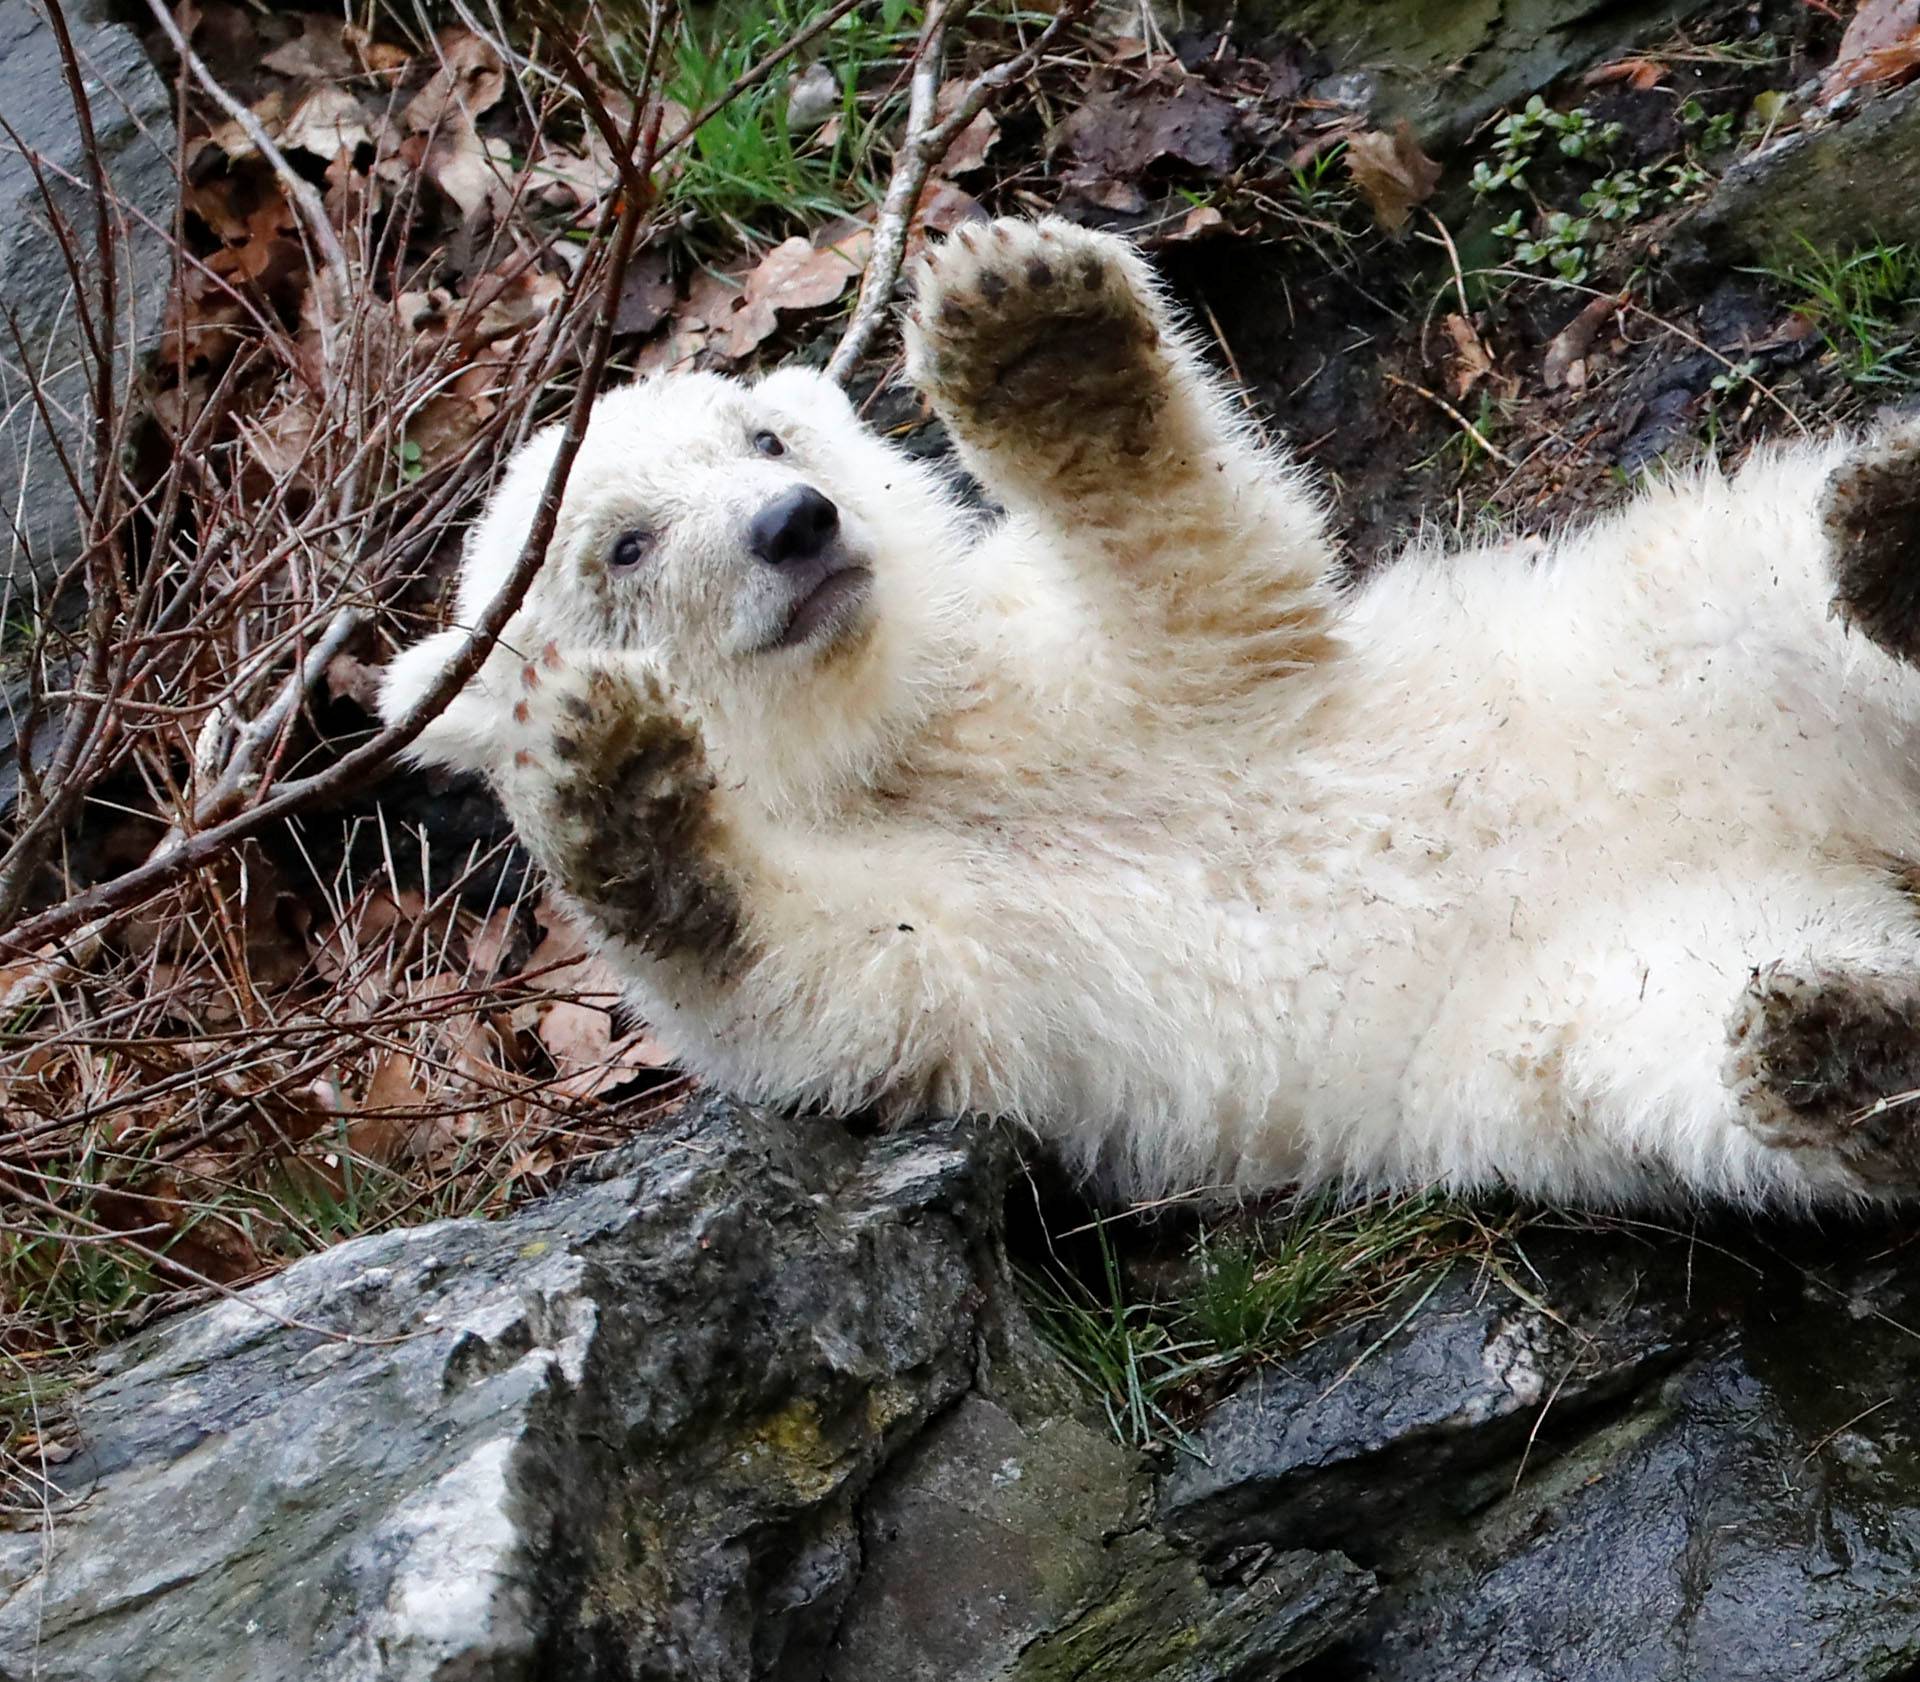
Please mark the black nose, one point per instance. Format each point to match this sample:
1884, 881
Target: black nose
795, 526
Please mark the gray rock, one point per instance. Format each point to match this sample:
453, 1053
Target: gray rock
761, 1406
1447, 67
1044, 1531
1845, 181
132, 118
1698, 1472
1366, 1438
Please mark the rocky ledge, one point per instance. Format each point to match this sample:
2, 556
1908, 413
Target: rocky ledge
758, 1405
763, 1403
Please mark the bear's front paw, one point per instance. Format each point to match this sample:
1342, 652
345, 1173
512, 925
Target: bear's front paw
608, 785
1041, 328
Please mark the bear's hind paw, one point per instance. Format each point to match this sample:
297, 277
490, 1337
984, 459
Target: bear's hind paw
1828, 1062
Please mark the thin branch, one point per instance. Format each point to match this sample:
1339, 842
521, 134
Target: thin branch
302, 192
924, 144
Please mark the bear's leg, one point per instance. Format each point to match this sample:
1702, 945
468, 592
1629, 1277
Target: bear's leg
1058, 367
1825, 1063
1871, 512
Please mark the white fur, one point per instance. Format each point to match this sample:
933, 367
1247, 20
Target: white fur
1122, 821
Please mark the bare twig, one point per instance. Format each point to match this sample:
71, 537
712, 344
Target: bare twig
185, 853
921, 148
303, 194
1456, 417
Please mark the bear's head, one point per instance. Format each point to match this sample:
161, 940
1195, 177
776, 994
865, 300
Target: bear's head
786, 572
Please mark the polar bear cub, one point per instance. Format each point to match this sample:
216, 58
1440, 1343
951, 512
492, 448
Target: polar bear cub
1587, 872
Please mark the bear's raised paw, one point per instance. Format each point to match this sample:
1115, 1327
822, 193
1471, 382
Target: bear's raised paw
608, 785
1030, 333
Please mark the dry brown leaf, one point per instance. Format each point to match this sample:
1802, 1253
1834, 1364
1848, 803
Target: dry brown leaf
971, 145
1202, 219
1638, 73
488, 945
1564, 366
586, 1055
524, 300
1392, 173
468, 83
319, 53
1877, 24
1165, 115
1888, 65
282, 441
352, 679
647, 295
473, 172
576, 1036
327, 122
394, 1102
381, 58
1471, 363
737, 312
230, 138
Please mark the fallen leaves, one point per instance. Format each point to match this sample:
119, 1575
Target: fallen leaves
1470, 363
1564, 364
1392, 174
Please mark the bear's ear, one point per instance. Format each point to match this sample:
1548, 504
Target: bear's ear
806, 392
465, 734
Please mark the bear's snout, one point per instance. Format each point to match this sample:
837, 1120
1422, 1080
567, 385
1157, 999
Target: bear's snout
796, 526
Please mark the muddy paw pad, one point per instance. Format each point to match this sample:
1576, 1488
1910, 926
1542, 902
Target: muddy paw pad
1830, 1062
1871, 512
1025, 316
629, 818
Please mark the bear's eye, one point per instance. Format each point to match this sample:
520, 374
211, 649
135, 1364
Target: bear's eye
629, 549
768, 445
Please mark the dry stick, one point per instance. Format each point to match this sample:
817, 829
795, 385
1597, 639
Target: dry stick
89, 722
80, 923
88, 913
1456, 417
924, 145
305, 196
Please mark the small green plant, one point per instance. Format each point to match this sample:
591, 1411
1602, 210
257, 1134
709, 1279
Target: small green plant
748, 170
1320, 191
1731, 381
1713, 133
1619, 197
1862, 302
1518, 135
1580, 133
1256, 1294
1127, 1352
1560, 245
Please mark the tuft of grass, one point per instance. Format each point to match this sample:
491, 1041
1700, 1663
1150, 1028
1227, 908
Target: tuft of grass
747, 172
1259, 1291
1128, 1352
1862, 302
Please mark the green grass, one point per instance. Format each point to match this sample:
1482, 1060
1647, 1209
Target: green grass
1863, 302
1256, 1292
